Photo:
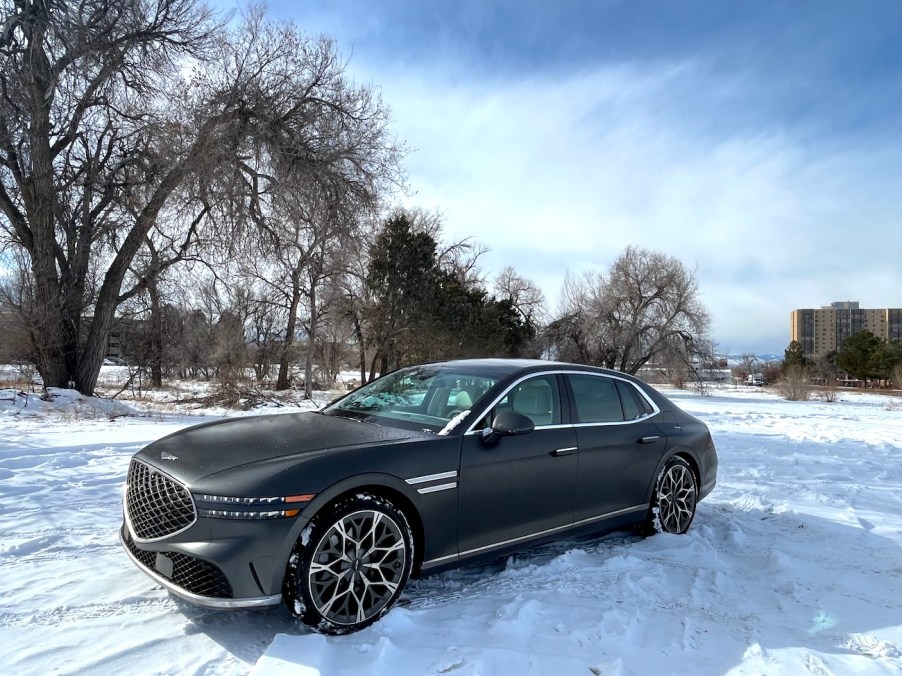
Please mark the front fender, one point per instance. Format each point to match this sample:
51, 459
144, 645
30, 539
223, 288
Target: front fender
432, 516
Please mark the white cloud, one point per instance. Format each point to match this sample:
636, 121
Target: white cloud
565, 173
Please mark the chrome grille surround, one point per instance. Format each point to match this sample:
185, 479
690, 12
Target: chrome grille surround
156, 505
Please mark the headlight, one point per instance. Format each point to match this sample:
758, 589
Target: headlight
227, 507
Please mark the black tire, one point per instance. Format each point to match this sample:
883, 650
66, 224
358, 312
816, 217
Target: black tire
350, 565
674, 500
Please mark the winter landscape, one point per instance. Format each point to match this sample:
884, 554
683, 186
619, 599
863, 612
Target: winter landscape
793, 565
211, 209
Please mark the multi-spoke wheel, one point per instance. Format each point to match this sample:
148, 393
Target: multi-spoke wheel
673, 502
351, 566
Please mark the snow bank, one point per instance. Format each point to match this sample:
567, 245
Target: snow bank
58, 402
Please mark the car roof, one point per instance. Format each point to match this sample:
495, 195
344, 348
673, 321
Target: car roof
500, 367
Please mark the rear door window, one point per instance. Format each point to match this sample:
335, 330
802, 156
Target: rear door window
596, 399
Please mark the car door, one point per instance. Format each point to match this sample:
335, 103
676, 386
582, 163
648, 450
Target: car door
517, 486
619, 446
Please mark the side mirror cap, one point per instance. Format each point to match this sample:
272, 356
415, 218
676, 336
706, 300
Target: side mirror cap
508, 424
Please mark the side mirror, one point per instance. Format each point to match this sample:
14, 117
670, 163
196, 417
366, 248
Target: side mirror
508, 424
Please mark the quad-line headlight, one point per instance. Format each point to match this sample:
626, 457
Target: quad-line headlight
253, 508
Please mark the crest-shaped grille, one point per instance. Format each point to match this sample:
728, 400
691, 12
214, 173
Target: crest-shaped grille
157, 505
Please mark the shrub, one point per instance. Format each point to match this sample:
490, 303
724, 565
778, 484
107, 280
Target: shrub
794, 385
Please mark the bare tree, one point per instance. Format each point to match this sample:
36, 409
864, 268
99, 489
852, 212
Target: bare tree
331, 346
461, 261
749, 364
16, 305
148, 275
525, 296
100, 128
306, 235
73, 137
265, 331
356, 298
645, 305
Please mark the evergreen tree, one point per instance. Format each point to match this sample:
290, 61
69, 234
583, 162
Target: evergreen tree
793, 355
402, 278
860, 355
424, 311
887, 358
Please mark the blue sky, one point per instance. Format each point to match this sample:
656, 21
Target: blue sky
758, 142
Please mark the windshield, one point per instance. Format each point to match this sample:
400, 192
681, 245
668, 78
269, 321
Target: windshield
432, 398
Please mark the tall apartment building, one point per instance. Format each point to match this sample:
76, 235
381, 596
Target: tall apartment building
824, 330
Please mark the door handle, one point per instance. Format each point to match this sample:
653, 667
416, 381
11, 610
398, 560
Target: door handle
564, 451
649, 440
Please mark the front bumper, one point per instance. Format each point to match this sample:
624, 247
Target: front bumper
219, 563
190, 578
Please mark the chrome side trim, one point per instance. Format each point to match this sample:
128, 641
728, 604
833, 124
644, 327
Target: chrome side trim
435, 489
430, 477
204, 601
581, 522
609, 423
435, 562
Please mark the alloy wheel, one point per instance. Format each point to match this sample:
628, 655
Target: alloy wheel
357, 567
677, 496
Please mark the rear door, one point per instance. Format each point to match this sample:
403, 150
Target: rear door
619, 446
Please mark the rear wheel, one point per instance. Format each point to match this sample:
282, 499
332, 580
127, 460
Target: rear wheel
350, 565
673, 503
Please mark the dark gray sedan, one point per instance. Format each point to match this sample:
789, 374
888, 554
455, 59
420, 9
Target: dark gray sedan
331, 512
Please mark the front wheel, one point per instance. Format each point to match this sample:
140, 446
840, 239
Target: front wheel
674, 500
350, 565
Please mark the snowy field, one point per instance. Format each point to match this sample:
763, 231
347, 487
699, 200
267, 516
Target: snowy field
793, 566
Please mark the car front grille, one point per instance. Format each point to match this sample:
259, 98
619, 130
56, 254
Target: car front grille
191, 574
157, 505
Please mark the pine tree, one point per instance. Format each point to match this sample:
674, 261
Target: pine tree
794, 355
860, 355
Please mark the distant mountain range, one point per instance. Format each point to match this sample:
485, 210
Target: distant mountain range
733, 359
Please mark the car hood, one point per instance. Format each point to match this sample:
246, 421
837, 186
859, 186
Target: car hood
205, 449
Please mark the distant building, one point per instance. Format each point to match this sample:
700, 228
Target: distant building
824, 330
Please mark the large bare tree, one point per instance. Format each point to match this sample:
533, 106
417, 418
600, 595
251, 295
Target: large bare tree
108, 110
644, 308
73, 138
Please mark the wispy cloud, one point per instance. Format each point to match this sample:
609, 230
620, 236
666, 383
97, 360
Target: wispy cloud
555, 174
758, 142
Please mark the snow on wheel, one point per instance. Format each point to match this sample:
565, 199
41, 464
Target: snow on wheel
350, 565
674, 500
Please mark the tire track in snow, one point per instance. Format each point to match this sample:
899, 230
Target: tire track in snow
53, 617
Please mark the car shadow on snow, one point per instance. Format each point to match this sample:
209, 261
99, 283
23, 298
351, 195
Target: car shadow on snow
741, 583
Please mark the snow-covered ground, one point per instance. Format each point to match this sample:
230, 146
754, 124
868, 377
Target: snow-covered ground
793, 566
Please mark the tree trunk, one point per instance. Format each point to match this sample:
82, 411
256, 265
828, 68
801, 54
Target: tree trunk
53, 347
311, 339
391, 362
282, 382
358, 331
156, 333
376, 358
